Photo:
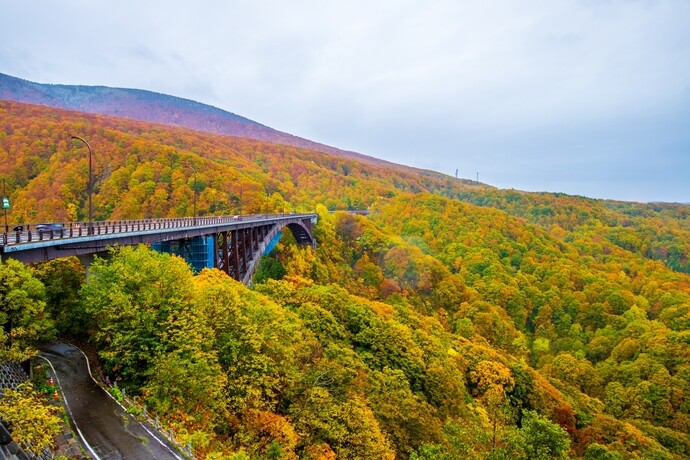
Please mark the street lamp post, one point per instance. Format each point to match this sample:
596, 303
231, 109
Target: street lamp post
5, 204
239, 203
90, 187
194, 198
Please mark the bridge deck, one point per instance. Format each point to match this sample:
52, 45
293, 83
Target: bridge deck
237, 237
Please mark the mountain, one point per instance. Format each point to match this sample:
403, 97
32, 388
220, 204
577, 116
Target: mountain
142, 105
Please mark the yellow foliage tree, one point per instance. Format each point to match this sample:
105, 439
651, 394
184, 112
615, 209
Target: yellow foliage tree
34, 423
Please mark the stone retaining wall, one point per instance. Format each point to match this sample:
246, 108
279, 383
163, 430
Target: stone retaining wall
11, 375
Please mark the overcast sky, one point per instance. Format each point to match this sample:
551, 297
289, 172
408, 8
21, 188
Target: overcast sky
587, 97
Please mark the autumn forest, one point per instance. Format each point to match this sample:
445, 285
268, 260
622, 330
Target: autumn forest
456, 320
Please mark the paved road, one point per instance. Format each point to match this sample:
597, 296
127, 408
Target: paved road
102, 425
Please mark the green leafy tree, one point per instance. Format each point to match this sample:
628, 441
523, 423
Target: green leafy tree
270, 267
543, 439
23, 316
134, 301
260, 346
406, 418
188, 383
598, 452
431, 452
63, 278
492, 381
348, 427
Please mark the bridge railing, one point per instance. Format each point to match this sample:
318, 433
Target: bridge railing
30, 233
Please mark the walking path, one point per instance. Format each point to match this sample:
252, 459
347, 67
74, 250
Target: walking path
105, 430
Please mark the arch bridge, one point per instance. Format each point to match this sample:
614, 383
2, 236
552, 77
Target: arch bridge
237, 241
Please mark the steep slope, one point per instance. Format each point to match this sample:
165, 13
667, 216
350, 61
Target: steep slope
154, 107
145, 170
590, 318
657, 231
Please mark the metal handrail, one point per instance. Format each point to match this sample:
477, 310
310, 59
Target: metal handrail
28, 233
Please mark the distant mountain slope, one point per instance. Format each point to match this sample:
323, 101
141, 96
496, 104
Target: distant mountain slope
140, 168
153, 107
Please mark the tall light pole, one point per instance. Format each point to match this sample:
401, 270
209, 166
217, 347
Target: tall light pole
5, 204
194, 199
90, 187
239, 203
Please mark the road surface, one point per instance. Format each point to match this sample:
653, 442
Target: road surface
102, 425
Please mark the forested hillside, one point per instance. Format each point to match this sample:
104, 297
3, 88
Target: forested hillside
142, 105
145, 170
455, 321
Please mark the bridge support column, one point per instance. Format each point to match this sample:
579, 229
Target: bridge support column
87, 259
235, 255
224, 250
250, 247
247, 252
242, 250
215, 249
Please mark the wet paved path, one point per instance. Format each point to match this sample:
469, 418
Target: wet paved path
102, 425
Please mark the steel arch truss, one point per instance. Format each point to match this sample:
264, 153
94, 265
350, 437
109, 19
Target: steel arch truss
238, 251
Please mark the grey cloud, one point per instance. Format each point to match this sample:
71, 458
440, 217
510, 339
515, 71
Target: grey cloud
587, 97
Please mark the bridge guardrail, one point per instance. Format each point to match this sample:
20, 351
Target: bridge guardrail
29, 233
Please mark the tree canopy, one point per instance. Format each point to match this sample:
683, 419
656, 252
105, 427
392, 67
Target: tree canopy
455, 321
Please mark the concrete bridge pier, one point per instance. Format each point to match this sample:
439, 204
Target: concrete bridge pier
87, 259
